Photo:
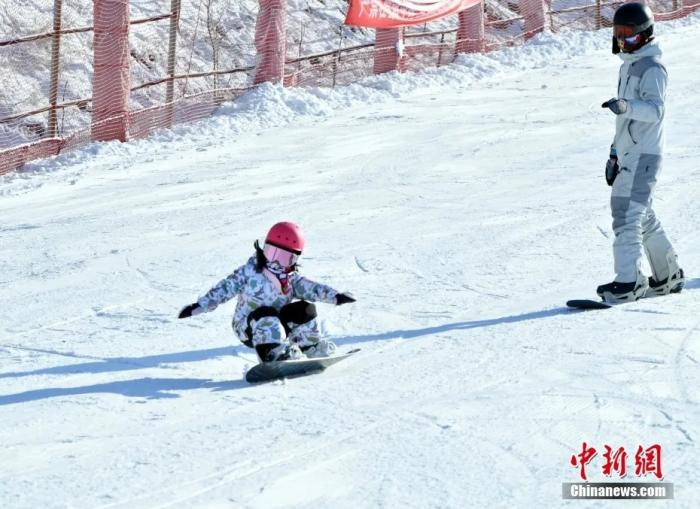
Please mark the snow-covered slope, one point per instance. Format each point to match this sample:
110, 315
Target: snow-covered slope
461, 206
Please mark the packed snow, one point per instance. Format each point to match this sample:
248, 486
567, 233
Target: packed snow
462, 207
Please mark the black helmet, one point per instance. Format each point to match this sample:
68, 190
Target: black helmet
633, 27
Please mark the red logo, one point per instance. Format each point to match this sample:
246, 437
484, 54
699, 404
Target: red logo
615, 461
583, 458
646, 461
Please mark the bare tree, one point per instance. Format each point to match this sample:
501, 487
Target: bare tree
216, 33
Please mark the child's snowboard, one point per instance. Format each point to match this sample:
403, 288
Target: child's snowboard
266, 371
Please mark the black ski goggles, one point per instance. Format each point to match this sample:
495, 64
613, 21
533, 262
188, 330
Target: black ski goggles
626, 39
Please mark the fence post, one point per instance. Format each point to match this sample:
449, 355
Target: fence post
110, 80
534, 13
687, 6
52, 130
172, 51
442, 44
387, 56
271, 41
470, 32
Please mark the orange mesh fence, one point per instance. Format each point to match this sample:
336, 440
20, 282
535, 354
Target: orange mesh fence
76, 72
332, 68
431, 45
31, 54
188, 65
321, 50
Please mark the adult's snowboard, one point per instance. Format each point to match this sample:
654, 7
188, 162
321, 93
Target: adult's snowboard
266, 371
599, 304
679, 284
588, 304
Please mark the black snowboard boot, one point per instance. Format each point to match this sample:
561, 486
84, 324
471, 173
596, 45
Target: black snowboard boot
622, 292
673, 284
268, 352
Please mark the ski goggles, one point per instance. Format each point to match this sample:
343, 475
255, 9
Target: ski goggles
282, 256
626, 38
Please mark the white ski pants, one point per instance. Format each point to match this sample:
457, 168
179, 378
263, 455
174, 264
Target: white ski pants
634, 222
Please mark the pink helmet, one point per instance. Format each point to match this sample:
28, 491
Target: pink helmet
286, 235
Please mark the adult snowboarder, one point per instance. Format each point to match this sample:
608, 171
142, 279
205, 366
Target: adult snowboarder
635, 160
267, 317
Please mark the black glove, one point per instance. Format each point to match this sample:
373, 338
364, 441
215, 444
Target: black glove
344, 298
617, 106
190, 310
611, 168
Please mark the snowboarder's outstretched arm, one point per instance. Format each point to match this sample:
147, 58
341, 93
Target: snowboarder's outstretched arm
312, 291
224, 290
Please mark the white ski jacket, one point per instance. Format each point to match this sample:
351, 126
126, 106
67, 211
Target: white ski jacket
642, 83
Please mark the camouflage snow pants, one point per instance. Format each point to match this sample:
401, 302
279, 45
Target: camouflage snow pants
268, 328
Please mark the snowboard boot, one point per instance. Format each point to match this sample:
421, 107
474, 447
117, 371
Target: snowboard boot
323, 348
615, 292
269, 352
673, 284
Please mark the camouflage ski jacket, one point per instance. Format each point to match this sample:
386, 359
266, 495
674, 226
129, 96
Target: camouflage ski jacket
255, 289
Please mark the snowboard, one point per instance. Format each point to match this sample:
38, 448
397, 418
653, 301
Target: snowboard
274, 370
599, 304
588, 304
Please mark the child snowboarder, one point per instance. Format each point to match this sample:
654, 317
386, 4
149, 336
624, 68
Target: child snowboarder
267, 316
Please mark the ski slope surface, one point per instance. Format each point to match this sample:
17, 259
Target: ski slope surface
462, 207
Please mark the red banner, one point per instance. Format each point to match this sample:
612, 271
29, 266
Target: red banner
401, 13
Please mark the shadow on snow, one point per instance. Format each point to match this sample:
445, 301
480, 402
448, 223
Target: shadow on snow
116, 364
149, 388
474, 324
112, 364
158, 388
692, 284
